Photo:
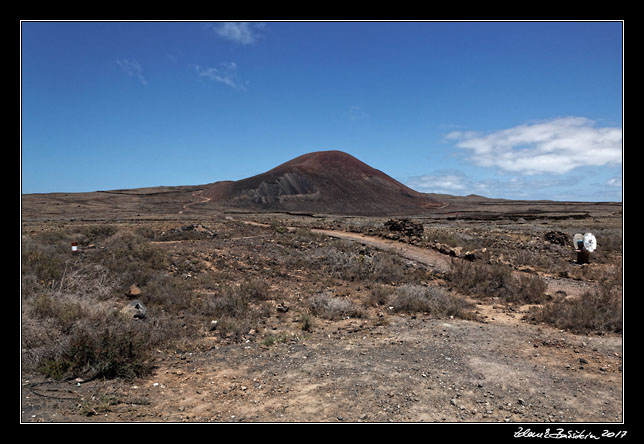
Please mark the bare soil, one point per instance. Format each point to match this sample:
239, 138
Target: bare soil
382, 367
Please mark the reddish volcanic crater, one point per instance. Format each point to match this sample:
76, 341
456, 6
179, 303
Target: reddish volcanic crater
324, 182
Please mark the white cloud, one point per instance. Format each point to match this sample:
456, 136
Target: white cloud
553, 146
225, 73
442, 182
132, 68
244, 33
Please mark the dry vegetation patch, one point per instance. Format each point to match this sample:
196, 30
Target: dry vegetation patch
597, 311
328, 306
196, 285
496, 281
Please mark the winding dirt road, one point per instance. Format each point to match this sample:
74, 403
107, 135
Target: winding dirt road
195, 194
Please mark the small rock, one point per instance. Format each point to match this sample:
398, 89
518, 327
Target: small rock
134, 291
135, 309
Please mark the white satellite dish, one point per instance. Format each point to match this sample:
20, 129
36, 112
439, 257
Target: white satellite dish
584, 244
590, 243
578, 241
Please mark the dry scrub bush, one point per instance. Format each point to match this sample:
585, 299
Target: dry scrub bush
610, 240
70, 323
379, 296
95, 233
593, 312
327, 306
430, 299
64, 335
67, 336
43, 258
347, 262
132, 258
342, 259
554, 260
109, 350
598, 311
167, 293
237, 309
497, 281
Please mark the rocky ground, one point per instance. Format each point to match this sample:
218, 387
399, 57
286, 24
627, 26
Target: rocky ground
410, 370
379, 366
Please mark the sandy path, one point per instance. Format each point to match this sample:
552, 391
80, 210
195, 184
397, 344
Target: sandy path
431, 258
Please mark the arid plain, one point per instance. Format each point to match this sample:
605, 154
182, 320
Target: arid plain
178, 308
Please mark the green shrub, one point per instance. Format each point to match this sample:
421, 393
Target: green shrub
275, 226
55, 368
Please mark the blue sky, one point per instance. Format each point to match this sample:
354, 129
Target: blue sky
519, 110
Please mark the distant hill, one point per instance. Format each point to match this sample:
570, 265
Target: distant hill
323, 182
